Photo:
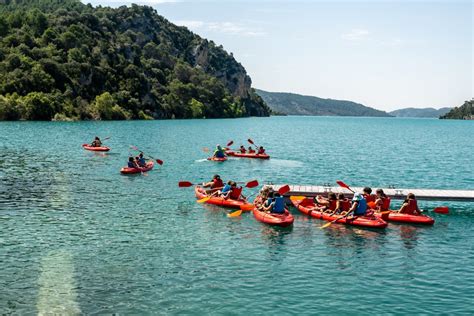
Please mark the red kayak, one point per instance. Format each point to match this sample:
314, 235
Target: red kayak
306, 206
220, 201
217, 159
247, 155
127, 170
91, 148
282, 220
394, 216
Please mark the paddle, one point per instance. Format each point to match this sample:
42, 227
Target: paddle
159, 161
297, 197
331, 222
342, 184
284, 189
441, 210
235, 214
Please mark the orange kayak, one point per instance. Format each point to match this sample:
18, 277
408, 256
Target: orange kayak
247, 155
217, 159
127, 170
282, 220
91, 148
394, 216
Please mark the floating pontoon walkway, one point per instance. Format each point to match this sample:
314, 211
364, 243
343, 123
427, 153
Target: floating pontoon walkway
399, 194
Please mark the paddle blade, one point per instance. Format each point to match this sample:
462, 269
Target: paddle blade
252, 184
184, 184
204, 200
284, 189
250, 141
441, 210
326, 225
297, 197
159, 161
230, 143
235, 214
247, 207
342, 184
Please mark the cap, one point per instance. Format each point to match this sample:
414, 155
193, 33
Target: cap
357, 197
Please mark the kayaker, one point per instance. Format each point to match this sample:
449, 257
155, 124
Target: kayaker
141, 160
96, 142
260, 200
242, 149
277, 204
235, 192
410, 206
131, 163
328, 204
215, 184
342, 204
382, 202
369, 197
359, 205
251, 150
225, 190
219, 152
261, 151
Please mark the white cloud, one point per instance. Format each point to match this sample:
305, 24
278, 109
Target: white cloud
221, 27
356, 35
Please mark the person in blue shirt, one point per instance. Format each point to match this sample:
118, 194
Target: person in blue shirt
276, 204
219, 152
359, 205
141, 160
226, 189
131, 163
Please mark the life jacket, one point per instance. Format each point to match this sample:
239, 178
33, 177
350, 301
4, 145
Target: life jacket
345, 205
369, 197
361, 207
385, 204
226, 188
332, 205
251, 151
219, 153
242, 150
261, 151
411, 207
279, 205
235, 193
217, 183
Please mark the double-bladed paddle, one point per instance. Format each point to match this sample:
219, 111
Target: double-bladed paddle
342, 184
159, 161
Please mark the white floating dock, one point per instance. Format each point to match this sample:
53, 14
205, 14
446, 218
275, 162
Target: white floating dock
393, 193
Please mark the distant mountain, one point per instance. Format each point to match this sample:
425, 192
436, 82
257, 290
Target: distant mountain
425, 112
296, 104
464, 112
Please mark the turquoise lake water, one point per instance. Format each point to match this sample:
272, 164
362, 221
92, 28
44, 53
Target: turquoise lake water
78, 237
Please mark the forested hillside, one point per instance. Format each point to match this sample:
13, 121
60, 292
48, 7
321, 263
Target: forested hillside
296, 104
463, 112
66, 60
416, 112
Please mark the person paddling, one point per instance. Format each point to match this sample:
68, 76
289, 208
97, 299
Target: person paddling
251, 150
141, 161
382, 202
242, 149
359, 205
96, 142
369, 197
342, 204
219, 152
215, 184
328, 204
263, 196
225, 190
277, 204
261, 151
410, 206
131, 163
235, 192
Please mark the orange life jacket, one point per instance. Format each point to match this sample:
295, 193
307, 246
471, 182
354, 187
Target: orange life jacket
235, 193
369, 197
385, 204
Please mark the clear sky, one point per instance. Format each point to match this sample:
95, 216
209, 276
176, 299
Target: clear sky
384, 54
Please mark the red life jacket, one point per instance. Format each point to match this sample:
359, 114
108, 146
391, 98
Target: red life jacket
345, 205
242, 150
411, 207
332, 205
217, 183
385, 204
261, 151
235, 193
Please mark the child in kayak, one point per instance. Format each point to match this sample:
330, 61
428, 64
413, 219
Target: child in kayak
410, 206
342, 204
359, 205
242, 149
219, 152
382, 202
276, 205
369, 197
141, 160
215, 184
251, 150
225, 190
261, 199
261, 151
96, 142
235, 192
131, 163
327, 204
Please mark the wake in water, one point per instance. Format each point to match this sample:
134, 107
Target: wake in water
286, 163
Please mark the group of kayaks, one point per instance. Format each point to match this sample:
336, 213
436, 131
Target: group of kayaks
308, 207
